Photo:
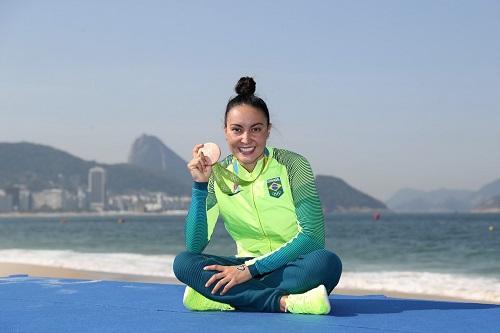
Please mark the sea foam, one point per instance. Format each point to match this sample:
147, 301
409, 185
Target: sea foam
473, 288
425, 283
123, 263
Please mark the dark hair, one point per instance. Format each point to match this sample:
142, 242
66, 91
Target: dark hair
245, 88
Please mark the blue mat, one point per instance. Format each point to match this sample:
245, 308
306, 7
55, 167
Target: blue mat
29, 304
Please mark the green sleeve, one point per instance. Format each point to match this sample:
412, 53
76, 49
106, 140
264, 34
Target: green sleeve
202, 217
311, 234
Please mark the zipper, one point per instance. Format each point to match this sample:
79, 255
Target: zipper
258, 218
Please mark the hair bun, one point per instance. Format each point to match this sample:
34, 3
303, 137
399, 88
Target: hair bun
245, 86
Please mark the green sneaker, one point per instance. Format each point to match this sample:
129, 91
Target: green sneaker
195, 301
314, 301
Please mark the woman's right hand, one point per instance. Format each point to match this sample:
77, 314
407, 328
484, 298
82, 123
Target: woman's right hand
199, 166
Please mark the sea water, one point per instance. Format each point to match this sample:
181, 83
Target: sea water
454, 255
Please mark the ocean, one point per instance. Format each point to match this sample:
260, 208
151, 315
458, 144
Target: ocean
452, 255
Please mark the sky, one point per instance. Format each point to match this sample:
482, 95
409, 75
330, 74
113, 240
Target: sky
383, 94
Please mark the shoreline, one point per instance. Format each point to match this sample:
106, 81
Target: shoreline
9, 269
182, 212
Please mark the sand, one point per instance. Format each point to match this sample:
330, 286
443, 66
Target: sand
8, 269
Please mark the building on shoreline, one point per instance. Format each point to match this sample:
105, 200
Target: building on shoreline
54, 199
97, 189
91, 197
6, 202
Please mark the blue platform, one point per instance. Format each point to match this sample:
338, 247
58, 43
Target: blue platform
29, 304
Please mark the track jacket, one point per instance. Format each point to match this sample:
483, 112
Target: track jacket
273, 220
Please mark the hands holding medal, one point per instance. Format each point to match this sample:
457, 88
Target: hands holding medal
204, 156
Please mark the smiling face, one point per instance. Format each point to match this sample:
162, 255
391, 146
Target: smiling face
246, 134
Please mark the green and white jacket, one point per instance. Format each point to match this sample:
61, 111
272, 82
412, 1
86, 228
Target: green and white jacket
273, 220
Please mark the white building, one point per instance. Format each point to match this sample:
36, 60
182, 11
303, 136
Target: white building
24, 200
81, 197
6, 202
97, 189
53, 199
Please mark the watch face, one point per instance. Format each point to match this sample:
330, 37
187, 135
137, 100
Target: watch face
212, 151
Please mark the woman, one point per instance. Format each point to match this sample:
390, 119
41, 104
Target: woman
273, 213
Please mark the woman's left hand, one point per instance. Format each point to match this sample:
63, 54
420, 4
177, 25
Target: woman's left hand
228, 276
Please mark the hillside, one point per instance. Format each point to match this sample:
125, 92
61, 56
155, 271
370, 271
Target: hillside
39, 167
491, 205
150, 153
336, 195
447, 200
442, 200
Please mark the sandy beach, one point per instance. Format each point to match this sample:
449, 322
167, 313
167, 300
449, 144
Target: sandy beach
7, 269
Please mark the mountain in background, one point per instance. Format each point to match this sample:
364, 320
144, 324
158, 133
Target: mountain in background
446, 200
442, 200
41, 167
487, 198
489, 190
491, 205
338, 196
150, 153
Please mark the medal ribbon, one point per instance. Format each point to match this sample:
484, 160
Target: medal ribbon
220, 173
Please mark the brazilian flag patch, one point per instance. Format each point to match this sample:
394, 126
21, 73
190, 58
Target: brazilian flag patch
274, 186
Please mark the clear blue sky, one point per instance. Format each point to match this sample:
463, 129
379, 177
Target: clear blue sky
384, 94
